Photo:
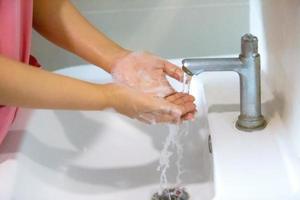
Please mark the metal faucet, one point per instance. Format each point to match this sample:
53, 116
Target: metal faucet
247, 65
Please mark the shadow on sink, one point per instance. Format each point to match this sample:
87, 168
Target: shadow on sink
48, 163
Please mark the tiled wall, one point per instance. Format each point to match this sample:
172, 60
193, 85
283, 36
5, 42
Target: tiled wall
169, 28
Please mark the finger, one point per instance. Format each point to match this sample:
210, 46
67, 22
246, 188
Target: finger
188, 98
187, 107
159, 117
178, 107
143, 120
147, 118
185, 99
180, 98
166, 118
188, 116
172, 110
173, 97
179, 102
161, 107
173, 71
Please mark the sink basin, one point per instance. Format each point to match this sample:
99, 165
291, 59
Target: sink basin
89, 155
103, 155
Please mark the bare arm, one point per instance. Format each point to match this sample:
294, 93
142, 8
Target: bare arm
61, 23
26, 86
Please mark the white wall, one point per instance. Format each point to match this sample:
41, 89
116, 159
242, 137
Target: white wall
170, 28
277, 24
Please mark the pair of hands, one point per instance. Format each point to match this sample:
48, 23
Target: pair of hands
143, 92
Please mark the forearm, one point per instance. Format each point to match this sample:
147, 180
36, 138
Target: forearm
26, 86
60, 22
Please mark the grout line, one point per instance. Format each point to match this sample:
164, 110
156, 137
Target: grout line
208, 5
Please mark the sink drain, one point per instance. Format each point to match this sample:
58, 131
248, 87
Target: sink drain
172, 194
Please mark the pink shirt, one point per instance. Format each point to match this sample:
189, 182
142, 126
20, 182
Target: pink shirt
15, 39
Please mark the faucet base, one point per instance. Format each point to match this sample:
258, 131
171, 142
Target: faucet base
250, 123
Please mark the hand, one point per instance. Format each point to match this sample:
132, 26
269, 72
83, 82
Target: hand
148, 108
146, 73
185, 100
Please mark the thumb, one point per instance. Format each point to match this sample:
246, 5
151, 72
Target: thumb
173, 71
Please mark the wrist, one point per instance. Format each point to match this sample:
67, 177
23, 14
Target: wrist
116, 56
110, 94
106, 57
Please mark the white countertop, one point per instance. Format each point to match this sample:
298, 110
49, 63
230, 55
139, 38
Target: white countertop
247, 165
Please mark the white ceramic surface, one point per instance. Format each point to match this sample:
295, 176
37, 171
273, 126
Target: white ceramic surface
97, 155
248, 165
277, 27
102, 155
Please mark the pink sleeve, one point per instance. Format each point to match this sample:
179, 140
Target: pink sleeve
15, 39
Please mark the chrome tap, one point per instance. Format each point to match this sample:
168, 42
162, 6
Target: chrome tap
247, 65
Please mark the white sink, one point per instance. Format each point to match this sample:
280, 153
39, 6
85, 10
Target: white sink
98, 155
103, 155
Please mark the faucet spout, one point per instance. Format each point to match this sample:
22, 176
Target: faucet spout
247, 65
199, 65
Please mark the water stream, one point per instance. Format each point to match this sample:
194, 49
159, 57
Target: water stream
173, 141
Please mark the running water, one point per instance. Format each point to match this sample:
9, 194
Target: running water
186, 83
173, 141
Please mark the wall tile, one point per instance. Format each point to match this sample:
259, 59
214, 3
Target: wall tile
171, 29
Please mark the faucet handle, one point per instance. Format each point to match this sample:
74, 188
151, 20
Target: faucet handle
249, 45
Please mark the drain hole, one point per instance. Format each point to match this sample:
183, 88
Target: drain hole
171, 194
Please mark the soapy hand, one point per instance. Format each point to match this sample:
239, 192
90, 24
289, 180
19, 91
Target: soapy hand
146, 72
148, 108
186, 101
